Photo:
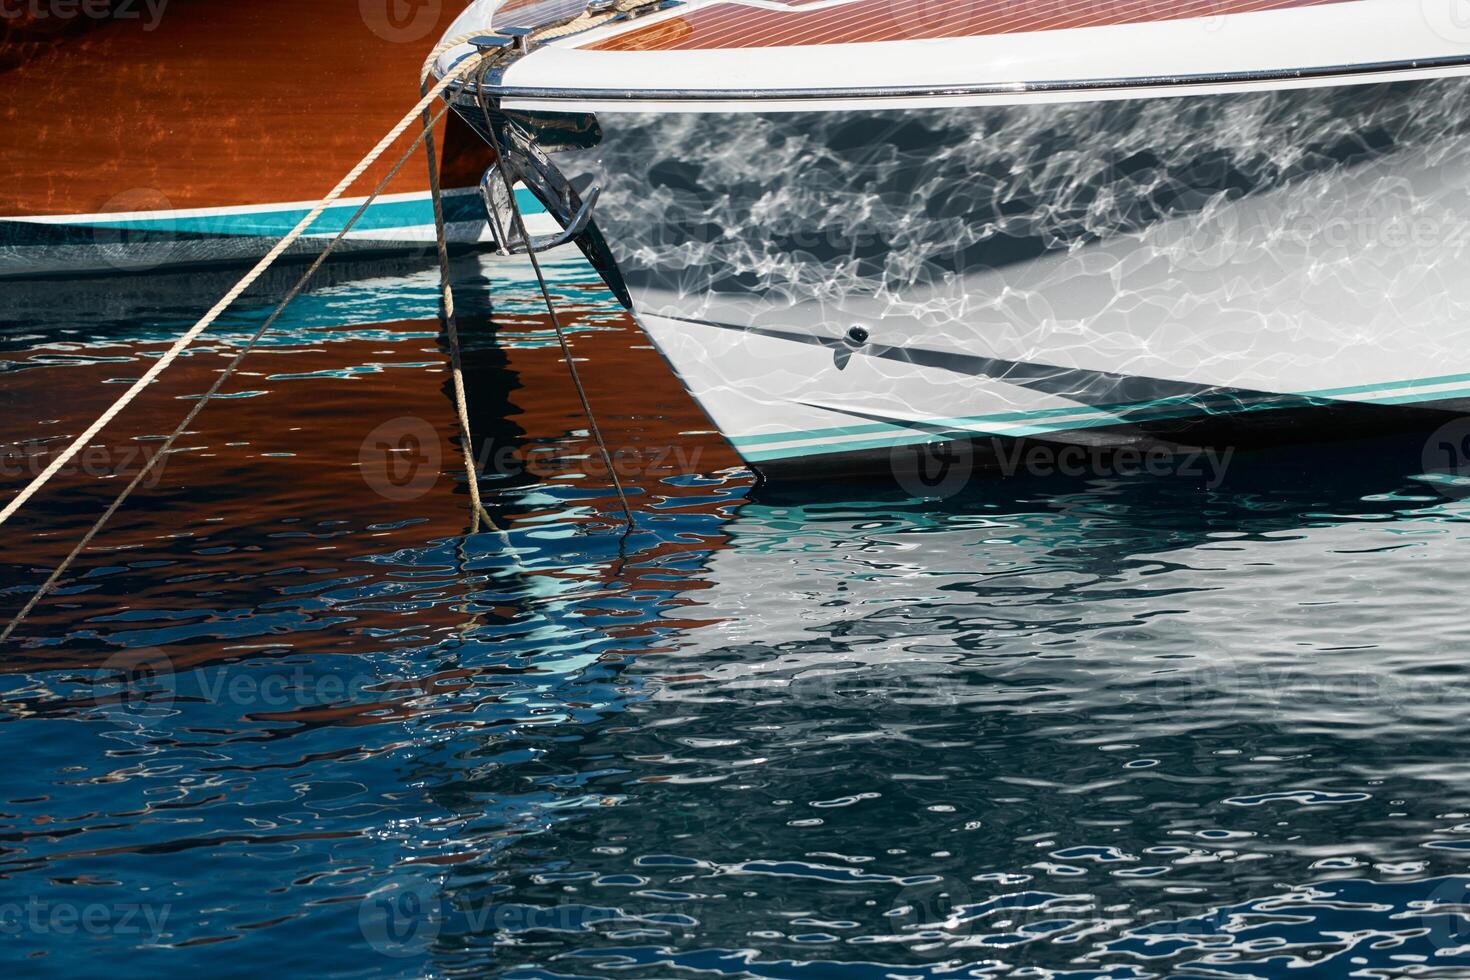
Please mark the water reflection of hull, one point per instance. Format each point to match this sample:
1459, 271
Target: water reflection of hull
1047, 581
878, 278
358, 366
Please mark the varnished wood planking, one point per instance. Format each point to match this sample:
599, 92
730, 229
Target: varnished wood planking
222, 103
734, 25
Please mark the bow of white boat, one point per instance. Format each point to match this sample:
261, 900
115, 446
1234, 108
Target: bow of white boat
856, 226
838, 53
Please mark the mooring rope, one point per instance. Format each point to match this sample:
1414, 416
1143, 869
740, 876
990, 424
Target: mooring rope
561, 337
188, 337
214, 389
446, 293
425, 136
594, 16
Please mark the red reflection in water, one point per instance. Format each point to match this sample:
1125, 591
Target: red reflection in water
293, 485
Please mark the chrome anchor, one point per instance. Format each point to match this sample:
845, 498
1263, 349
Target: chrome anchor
500, 211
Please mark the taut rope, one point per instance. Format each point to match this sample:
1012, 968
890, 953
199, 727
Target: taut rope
561, 336
426, 136
598, 12
188, 337
198, 407
446, 293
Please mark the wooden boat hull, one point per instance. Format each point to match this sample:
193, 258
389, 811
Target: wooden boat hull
197, 131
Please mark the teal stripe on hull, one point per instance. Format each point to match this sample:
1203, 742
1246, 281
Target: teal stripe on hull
1138, 411
1193, 403
461, 207
1114, 409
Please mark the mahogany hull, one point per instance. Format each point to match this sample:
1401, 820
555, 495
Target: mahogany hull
206, 125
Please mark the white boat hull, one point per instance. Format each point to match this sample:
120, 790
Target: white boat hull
1043, 268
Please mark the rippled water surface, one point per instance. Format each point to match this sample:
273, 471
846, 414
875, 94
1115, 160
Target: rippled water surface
286, 718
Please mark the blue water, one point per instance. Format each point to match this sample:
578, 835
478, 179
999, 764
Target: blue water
1117, 726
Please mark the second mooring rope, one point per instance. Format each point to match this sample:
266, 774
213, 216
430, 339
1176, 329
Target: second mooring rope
428, 95
188, 337
182, 427
446, 293
425, 136
566, 349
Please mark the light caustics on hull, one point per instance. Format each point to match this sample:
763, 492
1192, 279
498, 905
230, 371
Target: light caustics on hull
835, 274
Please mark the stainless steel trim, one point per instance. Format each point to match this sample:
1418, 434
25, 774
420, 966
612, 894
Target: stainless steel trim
524, 37
993, 88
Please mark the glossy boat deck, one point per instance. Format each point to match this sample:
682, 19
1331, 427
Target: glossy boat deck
814, 22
